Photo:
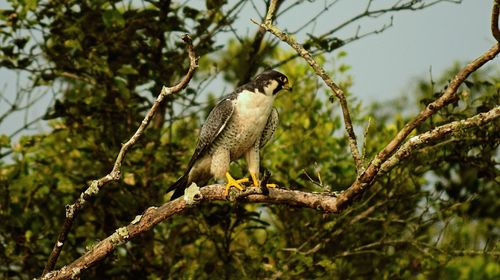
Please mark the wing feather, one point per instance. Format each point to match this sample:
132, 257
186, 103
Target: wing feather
213, 126
270, 128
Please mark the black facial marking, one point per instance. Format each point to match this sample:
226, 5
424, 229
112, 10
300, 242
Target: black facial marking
263, 79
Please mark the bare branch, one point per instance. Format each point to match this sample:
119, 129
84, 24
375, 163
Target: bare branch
115, 174
319, 201
494, 20
339, 93
253, 53
449, 95
368, 13
154, 215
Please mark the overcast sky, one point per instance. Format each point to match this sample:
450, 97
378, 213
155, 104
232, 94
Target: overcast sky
383, 65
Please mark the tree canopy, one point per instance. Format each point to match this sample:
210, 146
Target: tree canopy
424, 206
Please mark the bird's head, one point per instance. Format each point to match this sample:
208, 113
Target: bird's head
271, 82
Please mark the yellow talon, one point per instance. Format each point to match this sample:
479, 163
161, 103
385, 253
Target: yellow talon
256, 182
231, 182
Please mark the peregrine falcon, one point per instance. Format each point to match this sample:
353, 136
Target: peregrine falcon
239, 125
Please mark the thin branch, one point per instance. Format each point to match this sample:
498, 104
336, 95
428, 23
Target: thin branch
339, 93
365, 140
494, 20
407, 6
315, 17
253, 54
115, 174
437, 133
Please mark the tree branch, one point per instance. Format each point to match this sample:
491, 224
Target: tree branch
494, 20
154, 215
253, 53
437, 133
367, 178
115, 174
319, 201
339, 93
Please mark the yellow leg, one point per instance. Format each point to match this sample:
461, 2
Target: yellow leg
231, 182
256, 182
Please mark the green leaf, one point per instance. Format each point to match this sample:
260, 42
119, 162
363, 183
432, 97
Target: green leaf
30, 4
127, 70
72, 44
113, 19
4, 141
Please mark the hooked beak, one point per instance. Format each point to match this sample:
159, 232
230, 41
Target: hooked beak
287, 86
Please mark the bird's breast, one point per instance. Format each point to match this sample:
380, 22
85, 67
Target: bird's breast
249, 118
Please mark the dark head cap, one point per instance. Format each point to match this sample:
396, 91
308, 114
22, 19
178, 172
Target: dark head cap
272, 80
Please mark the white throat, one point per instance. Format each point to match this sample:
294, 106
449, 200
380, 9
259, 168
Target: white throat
270, 87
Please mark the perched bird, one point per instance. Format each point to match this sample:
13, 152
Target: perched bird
239, 125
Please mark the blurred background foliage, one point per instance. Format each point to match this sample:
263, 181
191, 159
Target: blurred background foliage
103, 62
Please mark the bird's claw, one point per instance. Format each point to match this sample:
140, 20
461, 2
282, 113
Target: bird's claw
256, 182
231, 182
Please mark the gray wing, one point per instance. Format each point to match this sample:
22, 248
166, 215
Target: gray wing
270, 128
213, 126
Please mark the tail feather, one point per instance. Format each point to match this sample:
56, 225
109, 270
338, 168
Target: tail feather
179, 187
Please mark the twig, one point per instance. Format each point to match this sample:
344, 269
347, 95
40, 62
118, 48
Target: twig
254, 48
154, 215
494, 20
365, 141
367, 13
115, 174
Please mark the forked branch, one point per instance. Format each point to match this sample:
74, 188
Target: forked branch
367, 176
449, 95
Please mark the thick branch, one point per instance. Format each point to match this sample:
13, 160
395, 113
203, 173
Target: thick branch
438, 133
115, 174
154, 215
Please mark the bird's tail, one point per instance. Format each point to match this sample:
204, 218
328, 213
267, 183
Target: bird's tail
179, 186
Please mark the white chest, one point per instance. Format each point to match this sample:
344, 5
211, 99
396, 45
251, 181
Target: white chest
248, 121
254, 109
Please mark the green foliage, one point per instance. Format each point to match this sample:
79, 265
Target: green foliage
112, 58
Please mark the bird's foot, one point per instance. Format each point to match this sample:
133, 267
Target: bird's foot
231, 182
256, 182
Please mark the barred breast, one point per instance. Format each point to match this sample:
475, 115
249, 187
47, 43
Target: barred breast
246, 125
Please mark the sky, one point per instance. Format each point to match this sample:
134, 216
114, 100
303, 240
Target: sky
383, 65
